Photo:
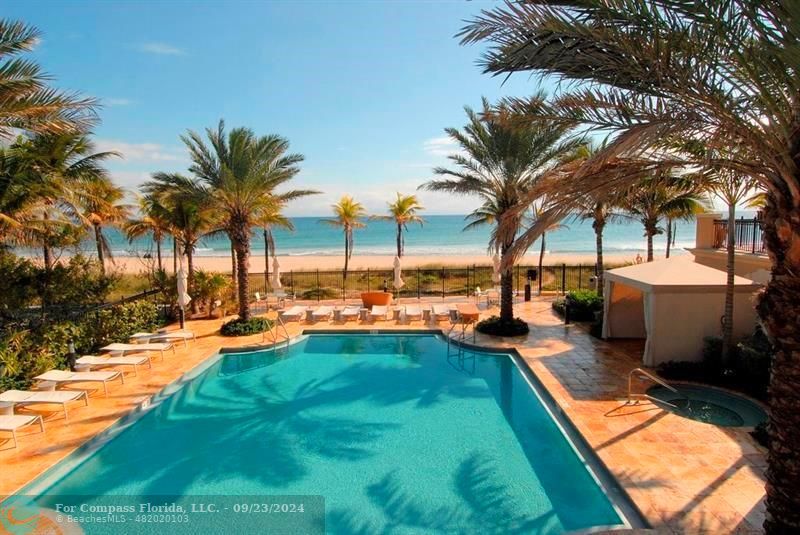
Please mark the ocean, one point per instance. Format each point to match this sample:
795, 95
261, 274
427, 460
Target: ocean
440, 235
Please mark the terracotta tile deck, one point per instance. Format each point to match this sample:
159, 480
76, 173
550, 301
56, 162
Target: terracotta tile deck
685, 476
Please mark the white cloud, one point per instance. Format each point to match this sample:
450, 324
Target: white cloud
162, 49
130, 180
117, 101
141, 152
441, 146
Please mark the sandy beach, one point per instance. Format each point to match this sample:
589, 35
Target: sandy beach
129, 264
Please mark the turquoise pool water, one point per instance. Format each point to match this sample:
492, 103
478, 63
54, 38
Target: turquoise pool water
394, 434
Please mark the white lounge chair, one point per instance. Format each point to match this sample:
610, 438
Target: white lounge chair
413, 312
293, 314
122, 349
379, 312
65, 377
165, 336
322, 313
12, 422
351, 313
43, 397
440, 312
92, 361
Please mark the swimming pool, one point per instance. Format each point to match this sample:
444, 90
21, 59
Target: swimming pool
393, 431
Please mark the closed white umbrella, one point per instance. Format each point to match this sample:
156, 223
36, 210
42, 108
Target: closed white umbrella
496, 271
276, 274
398, 280
183, 295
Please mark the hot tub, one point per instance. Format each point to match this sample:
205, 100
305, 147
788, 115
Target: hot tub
709, 405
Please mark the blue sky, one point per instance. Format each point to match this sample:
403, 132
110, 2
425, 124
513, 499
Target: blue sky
362, 89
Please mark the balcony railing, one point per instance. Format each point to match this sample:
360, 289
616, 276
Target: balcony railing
747, 235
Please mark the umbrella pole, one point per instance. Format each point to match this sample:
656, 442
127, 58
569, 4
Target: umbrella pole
181, 316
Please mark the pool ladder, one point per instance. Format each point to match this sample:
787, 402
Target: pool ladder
274, 333
633, 397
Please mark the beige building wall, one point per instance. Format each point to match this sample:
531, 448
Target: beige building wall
752, 266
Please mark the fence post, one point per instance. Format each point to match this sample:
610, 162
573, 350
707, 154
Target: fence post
563, 279
541, 276
442, 282
344, 289
580, 276
418, 280
318, 289
368, 288
753, 225
291, 280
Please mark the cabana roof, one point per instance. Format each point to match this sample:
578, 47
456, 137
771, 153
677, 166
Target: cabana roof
677, 275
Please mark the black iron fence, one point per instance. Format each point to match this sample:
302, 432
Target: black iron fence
748, 235
423, 282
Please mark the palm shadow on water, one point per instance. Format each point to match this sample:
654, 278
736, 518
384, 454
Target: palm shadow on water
484, 507
248, 427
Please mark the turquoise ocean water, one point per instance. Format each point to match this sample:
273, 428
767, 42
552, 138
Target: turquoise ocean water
394, 434
440, 235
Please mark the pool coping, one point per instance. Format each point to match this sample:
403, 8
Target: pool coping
620, 500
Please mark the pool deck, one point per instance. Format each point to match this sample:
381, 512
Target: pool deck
684, 476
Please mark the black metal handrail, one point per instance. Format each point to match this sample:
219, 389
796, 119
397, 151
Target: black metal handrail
748, 235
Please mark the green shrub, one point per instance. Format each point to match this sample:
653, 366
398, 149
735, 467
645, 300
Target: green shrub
583, 304
497, 327
320, 294
240, 327
560, 306
121, 321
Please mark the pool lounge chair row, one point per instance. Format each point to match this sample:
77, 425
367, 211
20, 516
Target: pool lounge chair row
438, 312
120, 355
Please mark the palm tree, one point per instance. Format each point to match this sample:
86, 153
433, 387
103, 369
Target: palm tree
728, 80
153, 219
347, 215
101, 204
269, 218
538, 210
26, 101
658, 197
58, 168
189, 213
241, 172
402, 212
502, 162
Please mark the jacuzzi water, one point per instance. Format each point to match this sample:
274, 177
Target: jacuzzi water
396, 435
709, 405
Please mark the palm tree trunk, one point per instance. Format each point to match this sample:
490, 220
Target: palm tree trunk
98, 240
727, 321
541, 256
598, 238
669, 235
189, 252
48, 257
233, 266
399, 240
158, 253
346, 252
781, 227
650, 228
266, 259
242, 245
506, 289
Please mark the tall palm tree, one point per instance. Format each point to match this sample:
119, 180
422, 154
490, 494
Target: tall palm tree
190, 215
402, 211
500, 164
102, 205
348, 215
656, 198
58, 167
241, 173
723, 72
26, 101
152, 219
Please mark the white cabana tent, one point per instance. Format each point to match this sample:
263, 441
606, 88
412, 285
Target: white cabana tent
673, 304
